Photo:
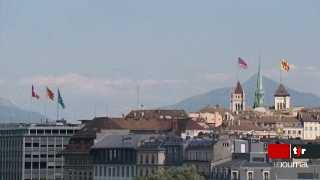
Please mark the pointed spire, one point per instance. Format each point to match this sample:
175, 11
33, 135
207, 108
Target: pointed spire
238, 89
259, 83
281, 91
259, 93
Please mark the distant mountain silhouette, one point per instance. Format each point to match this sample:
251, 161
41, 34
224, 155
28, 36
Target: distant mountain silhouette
221, 96
10, 113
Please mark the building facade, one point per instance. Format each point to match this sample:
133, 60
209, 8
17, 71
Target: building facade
33, 151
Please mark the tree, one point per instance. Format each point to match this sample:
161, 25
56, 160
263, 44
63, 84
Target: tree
181, 173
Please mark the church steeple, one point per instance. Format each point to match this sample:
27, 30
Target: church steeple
259, 93
237, 103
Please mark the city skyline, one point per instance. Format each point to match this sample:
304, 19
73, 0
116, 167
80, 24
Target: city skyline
97, 52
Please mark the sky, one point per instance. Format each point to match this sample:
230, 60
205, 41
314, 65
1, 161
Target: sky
99, 52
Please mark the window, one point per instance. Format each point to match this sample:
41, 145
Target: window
127, 173
147, 159
35, 165
43, 165
141, 159
153, 159
122, 171
250, 175
27, 165
243, 148
109, 171
113, 172
43, 155
266, 175
234, 175
118, 171
33, 131
51, 156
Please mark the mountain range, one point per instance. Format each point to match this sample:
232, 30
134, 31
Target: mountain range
221, 96
11, 113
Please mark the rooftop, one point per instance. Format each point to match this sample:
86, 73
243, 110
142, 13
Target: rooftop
238, 89
281, 91
122, 141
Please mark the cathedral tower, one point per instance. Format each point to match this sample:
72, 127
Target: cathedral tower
281, 98
237, 103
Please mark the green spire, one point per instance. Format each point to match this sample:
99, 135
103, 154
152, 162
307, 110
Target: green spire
259, 93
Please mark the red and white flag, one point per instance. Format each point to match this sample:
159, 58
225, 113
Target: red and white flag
34, 93
242, 63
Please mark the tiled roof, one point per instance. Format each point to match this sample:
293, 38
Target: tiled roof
200, 143
157, 114
214, 109
238, 89
122, 141
193, 125
281, 91
149, 120
245, 125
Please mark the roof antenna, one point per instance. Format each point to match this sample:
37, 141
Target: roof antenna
138, 96
107, 110
95, 110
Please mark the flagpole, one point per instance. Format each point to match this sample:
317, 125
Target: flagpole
280, 74
238, 71
58, 110
45, 109
30, 120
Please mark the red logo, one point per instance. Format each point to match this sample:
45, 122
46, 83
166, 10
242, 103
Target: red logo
298, 151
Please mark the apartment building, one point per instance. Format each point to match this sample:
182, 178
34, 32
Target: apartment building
33, 151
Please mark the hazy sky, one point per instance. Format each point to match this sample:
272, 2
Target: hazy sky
98, 51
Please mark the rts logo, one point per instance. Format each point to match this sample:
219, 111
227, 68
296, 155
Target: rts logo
298, 151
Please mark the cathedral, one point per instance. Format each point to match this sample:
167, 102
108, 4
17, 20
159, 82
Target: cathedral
238, 100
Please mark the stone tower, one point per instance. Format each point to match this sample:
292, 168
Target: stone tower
281, 98
237, 102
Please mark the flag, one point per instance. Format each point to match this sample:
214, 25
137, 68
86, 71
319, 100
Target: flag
50, 94
285, 65
34, 94
60, 100
242, 63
